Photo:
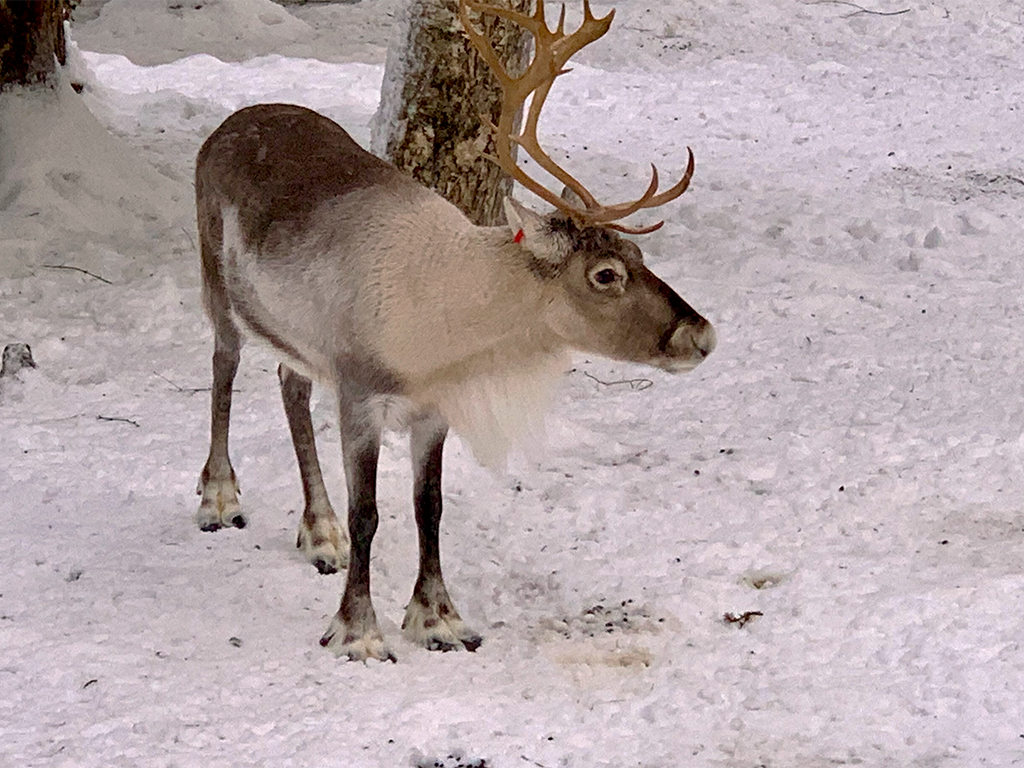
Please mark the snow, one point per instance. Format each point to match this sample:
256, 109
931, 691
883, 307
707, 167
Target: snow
846, 468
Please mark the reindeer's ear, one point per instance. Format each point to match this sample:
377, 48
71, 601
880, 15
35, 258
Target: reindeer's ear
531, 230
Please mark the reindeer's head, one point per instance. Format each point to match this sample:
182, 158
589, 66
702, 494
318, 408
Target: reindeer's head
611, 304
608, 302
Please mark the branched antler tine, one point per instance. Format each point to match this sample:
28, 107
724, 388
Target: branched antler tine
564, 46
528, 141
636, 230
677, 189
605, 213
538, 13
531, 24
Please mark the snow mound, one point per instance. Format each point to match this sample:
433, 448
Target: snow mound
231, 30
61, 171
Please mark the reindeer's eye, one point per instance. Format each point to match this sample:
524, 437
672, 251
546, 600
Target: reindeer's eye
607, 274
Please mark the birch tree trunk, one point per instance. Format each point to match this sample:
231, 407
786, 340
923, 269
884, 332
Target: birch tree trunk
435, 89
31, 40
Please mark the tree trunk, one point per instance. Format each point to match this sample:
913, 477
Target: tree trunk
31, 40
435, 89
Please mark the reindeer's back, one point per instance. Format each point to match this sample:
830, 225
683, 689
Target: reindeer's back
277, 163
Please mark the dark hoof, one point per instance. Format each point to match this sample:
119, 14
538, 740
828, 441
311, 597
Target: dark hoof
468, 643
239, 521
325, 568
210, 527
442, 646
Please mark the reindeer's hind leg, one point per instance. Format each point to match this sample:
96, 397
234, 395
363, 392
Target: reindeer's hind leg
322, 539
217, 483
353, 631
431, 620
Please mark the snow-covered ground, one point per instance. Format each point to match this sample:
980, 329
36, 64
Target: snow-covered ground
845, 470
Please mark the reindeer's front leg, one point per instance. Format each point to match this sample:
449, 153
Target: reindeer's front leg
431, 620
353, 631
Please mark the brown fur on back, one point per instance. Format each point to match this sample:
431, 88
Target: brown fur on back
280, 168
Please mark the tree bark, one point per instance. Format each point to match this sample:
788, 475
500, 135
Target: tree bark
31, 40
435, 89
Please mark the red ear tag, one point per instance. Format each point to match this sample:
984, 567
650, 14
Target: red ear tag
519, 236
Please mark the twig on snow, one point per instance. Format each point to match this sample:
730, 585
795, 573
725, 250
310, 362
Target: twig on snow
637, 385
77, 269
741, 619
188, 390
860, 9
117, 418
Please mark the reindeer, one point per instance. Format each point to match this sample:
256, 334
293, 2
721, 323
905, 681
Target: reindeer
372, 284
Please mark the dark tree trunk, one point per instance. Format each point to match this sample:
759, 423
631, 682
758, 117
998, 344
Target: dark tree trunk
435, 89
31, 40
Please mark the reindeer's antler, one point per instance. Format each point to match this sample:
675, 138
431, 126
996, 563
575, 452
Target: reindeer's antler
552, 50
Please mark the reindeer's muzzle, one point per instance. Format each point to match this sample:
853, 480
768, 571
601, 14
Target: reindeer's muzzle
688, 345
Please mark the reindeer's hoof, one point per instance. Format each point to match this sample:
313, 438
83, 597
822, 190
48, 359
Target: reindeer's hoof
324, 543
354, 647
209, 523
325, 567
219, 507
424, 626
325, 558
470, 643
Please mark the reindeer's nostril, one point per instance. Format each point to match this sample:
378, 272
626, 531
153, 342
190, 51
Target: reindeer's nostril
706, 339
693, 341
